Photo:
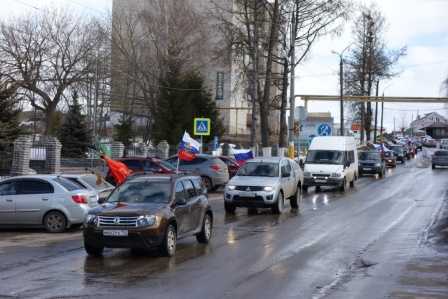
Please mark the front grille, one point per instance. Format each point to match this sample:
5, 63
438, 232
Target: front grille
368, 164
111, 221
320, 175
249, 188
243, 199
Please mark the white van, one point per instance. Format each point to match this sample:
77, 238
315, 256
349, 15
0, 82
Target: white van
331, 161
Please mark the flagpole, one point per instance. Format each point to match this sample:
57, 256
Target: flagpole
177, 168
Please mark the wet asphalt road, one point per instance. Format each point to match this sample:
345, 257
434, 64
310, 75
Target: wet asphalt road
372, 242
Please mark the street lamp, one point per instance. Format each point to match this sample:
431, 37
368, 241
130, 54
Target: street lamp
341, 83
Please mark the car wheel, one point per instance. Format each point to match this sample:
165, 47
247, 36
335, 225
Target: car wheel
206, 232
207, 182
168, 247
278, 207
55, 222
305, 189
294, 201
229, 208
93, 250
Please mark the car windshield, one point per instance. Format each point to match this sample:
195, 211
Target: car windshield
264, 169
441, 154
397, 149
369, 156
142, 191
95, 182
324, 157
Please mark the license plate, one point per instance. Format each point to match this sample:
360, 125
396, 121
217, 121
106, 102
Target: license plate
367, 168
247, 194
320, 181
115, 233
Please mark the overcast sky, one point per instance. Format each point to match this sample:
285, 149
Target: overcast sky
420, 25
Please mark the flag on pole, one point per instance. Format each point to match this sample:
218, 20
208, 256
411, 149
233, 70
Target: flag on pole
118, 170
242, 155
188, 148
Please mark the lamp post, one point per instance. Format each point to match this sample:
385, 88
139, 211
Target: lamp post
341, 83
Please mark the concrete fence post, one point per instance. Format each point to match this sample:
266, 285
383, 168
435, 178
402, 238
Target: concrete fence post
163, 150
21, 156
53, 151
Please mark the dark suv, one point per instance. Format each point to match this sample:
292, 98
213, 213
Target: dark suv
370, 162
150, 211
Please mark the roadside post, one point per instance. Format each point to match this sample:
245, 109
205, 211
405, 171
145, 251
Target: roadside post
201, 128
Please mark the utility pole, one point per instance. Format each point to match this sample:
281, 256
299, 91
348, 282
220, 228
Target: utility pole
341, 83
292, 102
382, 114
376, 111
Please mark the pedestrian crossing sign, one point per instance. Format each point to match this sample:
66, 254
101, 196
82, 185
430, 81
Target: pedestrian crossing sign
202, 126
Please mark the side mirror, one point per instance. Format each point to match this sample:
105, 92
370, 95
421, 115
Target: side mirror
347, 164
286, 174
102, 200
181, 201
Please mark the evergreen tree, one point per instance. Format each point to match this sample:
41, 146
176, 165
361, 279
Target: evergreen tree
9, 117
74, 134
124, 131
182, 98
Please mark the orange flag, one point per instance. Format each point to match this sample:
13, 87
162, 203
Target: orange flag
118, 170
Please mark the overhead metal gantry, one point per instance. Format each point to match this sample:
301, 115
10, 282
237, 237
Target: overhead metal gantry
389, 99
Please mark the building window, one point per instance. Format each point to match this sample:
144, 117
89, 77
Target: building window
219, 86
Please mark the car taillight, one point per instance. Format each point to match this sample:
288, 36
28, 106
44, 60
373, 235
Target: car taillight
215, 167
79, 199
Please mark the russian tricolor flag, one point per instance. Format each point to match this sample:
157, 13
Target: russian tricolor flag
242, 155
188, 148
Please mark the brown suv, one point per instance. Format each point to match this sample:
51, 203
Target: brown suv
150, 211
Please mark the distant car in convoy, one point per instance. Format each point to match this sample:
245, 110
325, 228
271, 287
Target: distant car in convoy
150, 211
44, 200
390, 159
331, 161
141, 165
93, 183
232, 165
264, 183
371, 163
399, 153
439, 158
213, 170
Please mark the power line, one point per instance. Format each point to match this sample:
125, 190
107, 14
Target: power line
27, 4
86, 7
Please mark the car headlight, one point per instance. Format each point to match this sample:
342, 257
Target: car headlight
307, 174
336, 174
231, 187
92, 219
148, 220
268, 188
377, 164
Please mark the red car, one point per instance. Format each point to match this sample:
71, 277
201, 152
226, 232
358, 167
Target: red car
232, 165
144, 165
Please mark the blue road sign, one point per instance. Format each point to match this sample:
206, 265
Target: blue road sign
324, 130
202, 126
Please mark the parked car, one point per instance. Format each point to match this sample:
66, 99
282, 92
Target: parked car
44, 200
440, 158
331, 161
140, 165
93, 183
232, 165
150, 211
390, 159
399, 153
371, 163
264, 183
213, 171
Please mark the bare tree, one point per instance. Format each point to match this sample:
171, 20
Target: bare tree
369, 61
46, 53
